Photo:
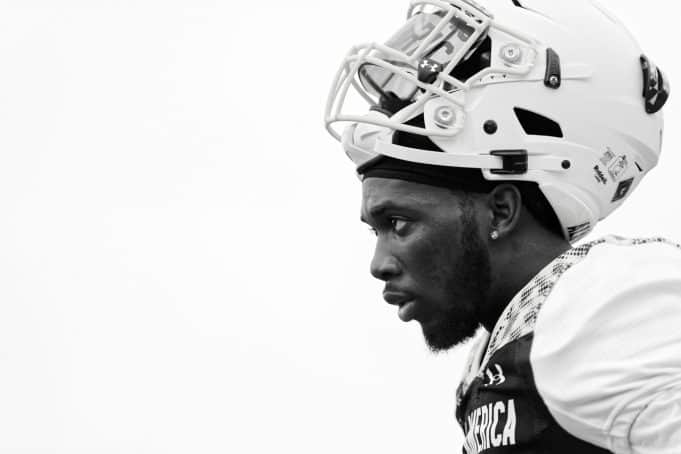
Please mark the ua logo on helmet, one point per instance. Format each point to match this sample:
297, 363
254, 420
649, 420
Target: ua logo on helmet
495, 378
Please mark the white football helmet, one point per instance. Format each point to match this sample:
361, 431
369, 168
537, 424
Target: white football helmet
554, 92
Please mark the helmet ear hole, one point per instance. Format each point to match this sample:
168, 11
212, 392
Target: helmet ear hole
535, 124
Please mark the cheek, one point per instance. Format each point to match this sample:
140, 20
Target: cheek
436, 258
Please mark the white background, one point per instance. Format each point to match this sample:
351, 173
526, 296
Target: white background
182, 268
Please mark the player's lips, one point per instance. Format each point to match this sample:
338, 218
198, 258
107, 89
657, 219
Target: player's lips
405, 302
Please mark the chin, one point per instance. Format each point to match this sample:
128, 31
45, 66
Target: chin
443, 335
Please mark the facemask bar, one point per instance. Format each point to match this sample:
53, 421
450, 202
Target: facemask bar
397, 62
347, 74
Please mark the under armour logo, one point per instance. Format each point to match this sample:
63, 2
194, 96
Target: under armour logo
433, 66
495, 378
428, 71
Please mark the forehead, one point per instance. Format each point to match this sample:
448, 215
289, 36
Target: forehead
380, 192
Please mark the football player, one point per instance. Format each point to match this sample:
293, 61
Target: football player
493, 139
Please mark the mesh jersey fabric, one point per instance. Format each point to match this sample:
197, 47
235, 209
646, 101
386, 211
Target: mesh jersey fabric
587, 300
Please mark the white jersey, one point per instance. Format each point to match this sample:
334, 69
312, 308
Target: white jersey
585, 359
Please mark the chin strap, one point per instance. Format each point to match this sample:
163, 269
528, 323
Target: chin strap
501, 162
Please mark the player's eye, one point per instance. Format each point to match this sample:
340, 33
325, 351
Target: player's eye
399, 225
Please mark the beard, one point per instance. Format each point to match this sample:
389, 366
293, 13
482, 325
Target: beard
471, 278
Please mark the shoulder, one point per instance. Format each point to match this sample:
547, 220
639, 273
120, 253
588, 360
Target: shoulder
606, 341
613, 258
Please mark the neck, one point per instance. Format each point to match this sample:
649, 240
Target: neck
515, 261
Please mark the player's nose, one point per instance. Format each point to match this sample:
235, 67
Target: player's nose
384, 265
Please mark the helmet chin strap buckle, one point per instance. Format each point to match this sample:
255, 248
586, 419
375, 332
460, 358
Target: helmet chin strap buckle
553, 77
514, 162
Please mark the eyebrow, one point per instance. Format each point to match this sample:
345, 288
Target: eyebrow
378, 210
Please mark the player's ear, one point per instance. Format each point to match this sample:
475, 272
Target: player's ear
505, 206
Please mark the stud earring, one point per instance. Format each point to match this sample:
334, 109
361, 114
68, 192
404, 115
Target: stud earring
494, 235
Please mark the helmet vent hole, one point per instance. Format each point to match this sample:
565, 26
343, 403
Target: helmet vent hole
418, 141
535, 124
517, 3
480, 59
